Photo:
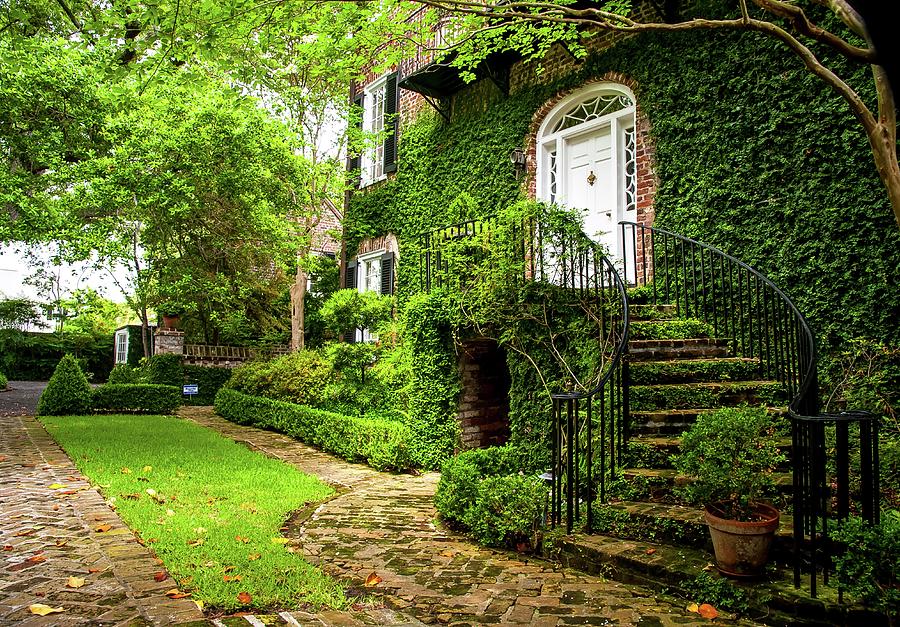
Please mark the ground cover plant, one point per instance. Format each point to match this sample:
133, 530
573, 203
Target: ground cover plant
3, 381
210, 508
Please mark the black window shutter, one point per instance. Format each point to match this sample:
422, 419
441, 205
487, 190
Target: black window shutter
391, 122
353, 160
350, 275
387, 274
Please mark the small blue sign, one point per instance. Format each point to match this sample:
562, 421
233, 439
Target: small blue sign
190, 389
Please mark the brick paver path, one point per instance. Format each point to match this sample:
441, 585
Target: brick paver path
385, 524
49, 534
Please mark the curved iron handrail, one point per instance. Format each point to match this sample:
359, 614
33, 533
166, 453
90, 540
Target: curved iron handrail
792, 360
785, 345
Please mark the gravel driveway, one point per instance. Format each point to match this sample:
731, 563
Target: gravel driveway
21, 398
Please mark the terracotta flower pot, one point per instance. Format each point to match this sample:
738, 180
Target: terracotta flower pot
742, 548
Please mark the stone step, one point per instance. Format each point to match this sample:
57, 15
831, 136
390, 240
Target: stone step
704, 395
672, 524
655, 451
656, 484
694, 370
675, 569
691, 348
652, 312
670, 329
673, 421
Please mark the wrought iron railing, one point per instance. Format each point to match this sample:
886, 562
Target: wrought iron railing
589, 419
762, 322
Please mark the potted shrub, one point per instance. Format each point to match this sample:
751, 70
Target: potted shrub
730, 455
171, 316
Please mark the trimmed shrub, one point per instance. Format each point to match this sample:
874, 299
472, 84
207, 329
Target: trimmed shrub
300, 377
3, 382
461, 476
144, 398
487, 492
383, 444
165, 370
210, 381
67, 393
507, 511
869, 565
125, 374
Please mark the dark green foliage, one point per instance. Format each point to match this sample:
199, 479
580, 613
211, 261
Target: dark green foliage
324, 274
485, 491
300, 377
27, 356
165, 370
142, 398
125, 374
383, 444
718, 592
461, 475
731, 453
508, 511
210, 381
67, 393
870, 565
435, 384
3, 381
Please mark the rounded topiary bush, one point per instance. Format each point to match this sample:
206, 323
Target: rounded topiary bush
67, 393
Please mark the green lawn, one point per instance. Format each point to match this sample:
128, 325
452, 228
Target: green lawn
209, 507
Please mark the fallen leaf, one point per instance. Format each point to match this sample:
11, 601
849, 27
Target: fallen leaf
175, 593
242, 539
161, 576
228, 569
228, 578
132, 497
448, 553
280, 540
7, 547
170, 512
36, 559
126, 470
68, 492
27, 532
200, 530
197, 542
94, 570
651, 551
373, 580
693, 607
3, 458
707, 611
42, 610
102, 528
147, 469
57, 486
75, 582
253, 557
187, 581
199, 604
244, 598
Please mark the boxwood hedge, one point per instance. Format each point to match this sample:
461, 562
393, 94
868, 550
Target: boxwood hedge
144, 398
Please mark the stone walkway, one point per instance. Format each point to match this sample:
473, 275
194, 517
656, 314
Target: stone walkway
385, 524
49, 533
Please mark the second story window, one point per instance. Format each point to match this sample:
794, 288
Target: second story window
378, 102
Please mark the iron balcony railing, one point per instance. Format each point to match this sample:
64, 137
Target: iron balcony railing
762, 322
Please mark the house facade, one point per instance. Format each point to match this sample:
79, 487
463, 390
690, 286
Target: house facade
719, 137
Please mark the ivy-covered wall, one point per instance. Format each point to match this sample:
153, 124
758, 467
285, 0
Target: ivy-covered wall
753, 155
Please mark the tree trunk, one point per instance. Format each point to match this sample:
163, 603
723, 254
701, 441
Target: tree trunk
298, 326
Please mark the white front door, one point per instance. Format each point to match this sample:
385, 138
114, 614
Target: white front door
591, 184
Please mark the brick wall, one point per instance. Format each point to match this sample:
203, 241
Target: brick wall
326, 235
484, 402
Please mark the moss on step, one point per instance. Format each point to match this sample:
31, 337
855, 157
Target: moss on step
670, 330
652, 312
704, 395
693, 370
642, 521
645, 455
